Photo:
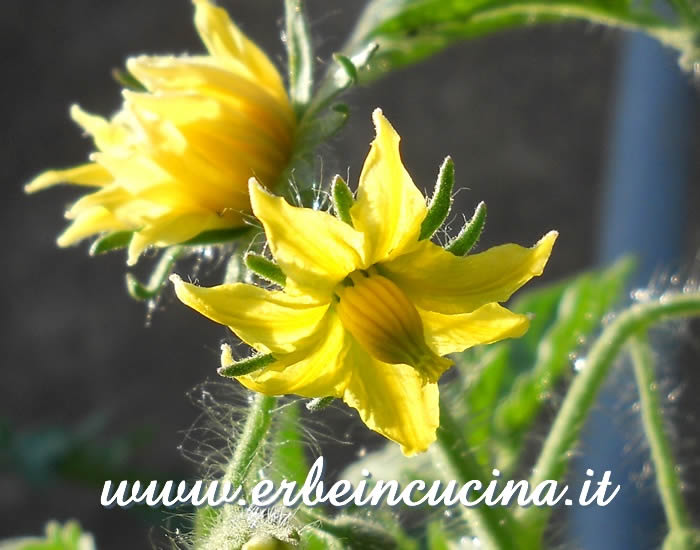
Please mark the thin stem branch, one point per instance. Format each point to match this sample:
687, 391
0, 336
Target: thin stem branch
564, 434
493, 525
667, 480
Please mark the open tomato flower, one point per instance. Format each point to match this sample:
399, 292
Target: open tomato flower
368, 311
175, 161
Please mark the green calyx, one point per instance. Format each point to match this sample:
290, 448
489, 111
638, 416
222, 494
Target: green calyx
441, 202
342, 199
470, 233
231, 368
265, 268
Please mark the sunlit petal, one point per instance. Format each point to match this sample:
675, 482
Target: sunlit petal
90, 174
439, 281
486, 325
317, 369
175, 160
313, 248
269, 321
394, 401
389, 207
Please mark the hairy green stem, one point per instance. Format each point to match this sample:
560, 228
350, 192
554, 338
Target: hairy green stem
564, 434
667, 480
249, 443
251, 439
493, 525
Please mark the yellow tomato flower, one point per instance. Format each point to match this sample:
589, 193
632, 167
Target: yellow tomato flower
368, 311
175, 160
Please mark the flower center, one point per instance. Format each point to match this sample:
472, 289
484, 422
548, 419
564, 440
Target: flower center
385, 323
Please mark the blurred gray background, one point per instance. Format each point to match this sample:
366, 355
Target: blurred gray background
525, 115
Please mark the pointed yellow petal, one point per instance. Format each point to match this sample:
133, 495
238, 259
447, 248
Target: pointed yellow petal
313, 248
318, 369
107, 135
227, 43
488, 324
393, 401
172, 229
90, 222
269, 321
389, 207
90, 174
439, 281
252, 101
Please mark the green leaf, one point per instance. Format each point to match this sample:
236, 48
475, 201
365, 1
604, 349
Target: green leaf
436, 537
441, 202
481, 396
299, 54
579, 312
354, 533
408, 31
113, 241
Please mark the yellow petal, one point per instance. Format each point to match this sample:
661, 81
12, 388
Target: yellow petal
91, 222
107, 135
488, 324
389, 207
227, 43
252, 101
90, 174
313, 248
174, 228
318, 369
393, 401
269, 321
437, 280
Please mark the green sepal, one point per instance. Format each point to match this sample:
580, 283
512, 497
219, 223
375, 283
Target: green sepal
217, 236
112, 241
299, 55
128, 80
470, 233
348, 74
319, 403
156, 282
265, 268
441, 202
244, 366
342, 199
348, 68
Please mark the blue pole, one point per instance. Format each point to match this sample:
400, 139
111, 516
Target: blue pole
643, 212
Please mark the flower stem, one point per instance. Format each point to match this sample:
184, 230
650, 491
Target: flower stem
667, 480
564, 434
251, 439
248, 445
493, 525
